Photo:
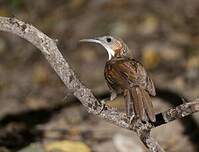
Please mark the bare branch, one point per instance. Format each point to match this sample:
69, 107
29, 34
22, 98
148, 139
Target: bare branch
151, 144
180, 111
49, 49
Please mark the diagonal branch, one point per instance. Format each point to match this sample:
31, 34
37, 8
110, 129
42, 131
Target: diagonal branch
49, 49
180, 111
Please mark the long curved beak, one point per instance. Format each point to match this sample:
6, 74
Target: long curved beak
94, 40
97, 40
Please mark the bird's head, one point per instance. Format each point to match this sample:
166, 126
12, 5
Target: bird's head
114, 47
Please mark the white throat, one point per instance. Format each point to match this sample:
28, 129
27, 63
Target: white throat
110, 52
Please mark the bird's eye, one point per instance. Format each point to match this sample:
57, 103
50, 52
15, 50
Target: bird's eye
108, 39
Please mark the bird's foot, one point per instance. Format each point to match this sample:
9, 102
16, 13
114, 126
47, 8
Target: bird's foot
132, 119
103, 106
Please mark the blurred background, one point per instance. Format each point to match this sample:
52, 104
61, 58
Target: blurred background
38, 114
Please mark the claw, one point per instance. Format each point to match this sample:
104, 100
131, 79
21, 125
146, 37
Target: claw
132, 118
103, 105
103, 102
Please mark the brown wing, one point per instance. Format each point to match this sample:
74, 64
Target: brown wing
125, 73
116, 75
144, 80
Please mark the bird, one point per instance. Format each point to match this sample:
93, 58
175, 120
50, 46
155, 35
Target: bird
126, 76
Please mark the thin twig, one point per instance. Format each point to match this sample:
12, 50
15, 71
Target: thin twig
49, 49
180, 111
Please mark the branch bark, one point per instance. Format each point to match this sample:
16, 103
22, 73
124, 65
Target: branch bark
49, 49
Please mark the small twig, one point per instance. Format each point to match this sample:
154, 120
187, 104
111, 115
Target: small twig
180, 111
49, 49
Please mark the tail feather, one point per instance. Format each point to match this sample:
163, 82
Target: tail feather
148, 105
139, 101
138, 104
129, 103
142, 113
135, 102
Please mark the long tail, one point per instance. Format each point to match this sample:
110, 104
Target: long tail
138, 102
129, 103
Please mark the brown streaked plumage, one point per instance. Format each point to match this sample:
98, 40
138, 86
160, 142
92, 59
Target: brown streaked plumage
127, 76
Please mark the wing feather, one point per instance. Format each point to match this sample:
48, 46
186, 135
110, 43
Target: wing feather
128, 74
